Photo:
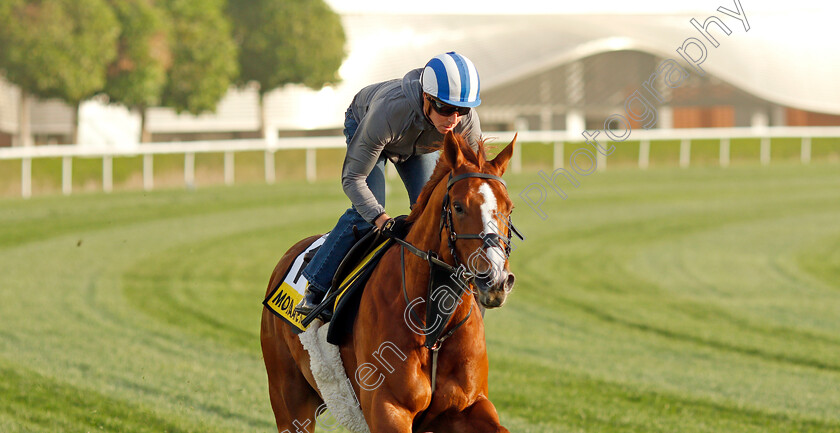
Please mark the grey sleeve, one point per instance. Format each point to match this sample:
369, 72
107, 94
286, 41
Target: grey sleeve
472, 130
364, 149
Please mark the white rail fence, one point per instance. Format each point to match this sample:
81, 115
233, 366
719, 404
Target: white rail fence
310, 144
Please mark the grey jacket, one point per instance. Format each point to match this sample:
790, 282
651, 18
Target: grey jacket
391, 122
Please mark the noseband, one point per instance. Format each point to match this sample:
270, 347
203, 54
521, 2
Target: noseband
490, 239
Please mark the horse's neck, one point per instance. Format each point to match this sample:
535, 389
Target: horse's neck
426, 235
425, 232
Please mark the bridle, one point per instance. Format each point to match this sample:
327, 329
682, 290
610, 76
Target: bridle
490, 239
459, 271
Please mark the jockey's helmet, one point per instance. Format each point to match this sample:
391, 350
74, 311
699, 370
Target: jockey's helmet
453, 79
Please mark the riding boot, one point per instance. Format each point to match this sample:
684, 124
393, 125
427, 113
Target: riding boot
311, 298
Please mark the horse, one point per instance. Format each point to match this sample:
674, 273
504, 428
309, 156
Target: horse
441, 389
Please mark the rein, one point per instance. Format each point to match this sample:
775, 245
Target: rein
458, 271
438, 340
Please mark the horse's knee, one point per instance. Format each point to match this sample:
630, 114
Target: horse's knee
481, 417
297, 413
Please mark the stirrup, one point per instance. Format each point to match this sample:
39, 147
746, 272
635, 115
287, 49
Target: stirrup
310, 300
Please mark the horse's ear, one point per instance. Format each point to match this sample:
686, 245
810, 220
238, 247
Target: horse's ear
468, 152
452, 150
501, 160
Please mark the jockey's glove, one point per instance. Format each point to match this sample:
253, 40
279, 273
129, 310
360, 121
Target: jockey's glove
395, 227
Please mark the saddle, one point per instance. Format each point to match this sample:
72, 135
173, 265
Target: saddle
345, 294
350, 279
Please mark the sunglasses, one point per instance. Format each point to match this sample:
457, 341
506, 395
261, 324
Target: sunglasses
447, 110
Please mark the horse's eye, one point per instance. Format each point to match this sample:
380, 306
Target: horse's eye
458, 208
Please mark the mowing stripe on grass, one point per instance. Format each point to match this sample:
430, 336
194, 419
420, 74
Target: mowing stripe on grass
698, 300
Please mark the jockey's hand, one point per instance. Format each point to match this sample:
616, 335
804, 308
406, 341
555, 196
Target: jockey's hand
395, 228
380, 221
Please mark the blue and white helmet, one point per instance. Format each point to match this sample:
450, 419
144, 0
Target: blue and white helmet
453, 79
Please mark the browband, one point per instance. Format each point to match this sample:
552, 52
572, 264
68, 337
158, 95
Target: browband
452, 180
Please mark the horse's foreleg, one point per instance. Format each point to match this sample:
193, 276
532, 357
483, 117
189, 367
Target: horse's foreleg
293, 401
389, 418
481, 417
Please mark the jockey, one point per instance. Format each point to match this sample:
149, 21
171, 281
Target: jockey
401, 121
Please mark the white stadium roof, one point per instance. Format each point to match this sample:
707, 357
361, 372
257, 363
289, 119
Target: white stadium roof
787, 57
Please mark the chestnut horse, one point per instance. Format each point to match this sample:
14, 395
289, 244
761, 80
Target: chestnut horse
407, 398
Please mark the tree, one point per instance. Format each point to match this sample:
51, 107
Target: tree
137, 76
286, 42
57, 49
203, 56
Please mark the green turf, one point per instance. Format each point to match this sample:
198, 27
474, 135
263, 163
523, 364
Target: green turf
666, 300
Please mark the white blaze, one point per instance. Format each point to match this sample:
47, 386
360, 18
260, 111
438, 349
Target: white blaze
489, 208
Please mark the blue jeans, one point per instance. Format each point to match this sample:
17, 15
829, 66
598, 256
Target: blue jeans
414, 172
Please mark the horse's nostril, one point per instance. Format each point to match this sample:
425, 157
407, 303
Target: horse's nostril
509, 282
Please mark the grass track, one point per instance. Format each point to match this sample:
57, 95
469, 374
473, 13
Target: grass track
699, 300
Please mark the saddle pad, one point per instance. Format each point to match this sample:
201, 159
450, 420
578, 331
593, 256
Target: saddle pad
333, 384
289, 292
350, 293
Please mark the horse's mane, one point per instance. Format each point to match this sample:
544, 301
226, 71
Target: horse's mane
443, 167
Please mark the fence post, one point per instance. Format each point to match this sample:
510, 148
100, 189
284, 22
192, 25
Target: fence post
600, 161
107, 173
516, 160
806, 150
148, 172
391, 172
26, 177
311, 165
269, 167
189, 170
229, 162
644, 154
724, 152
559, 154
765, 150
67, 175
685, 153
